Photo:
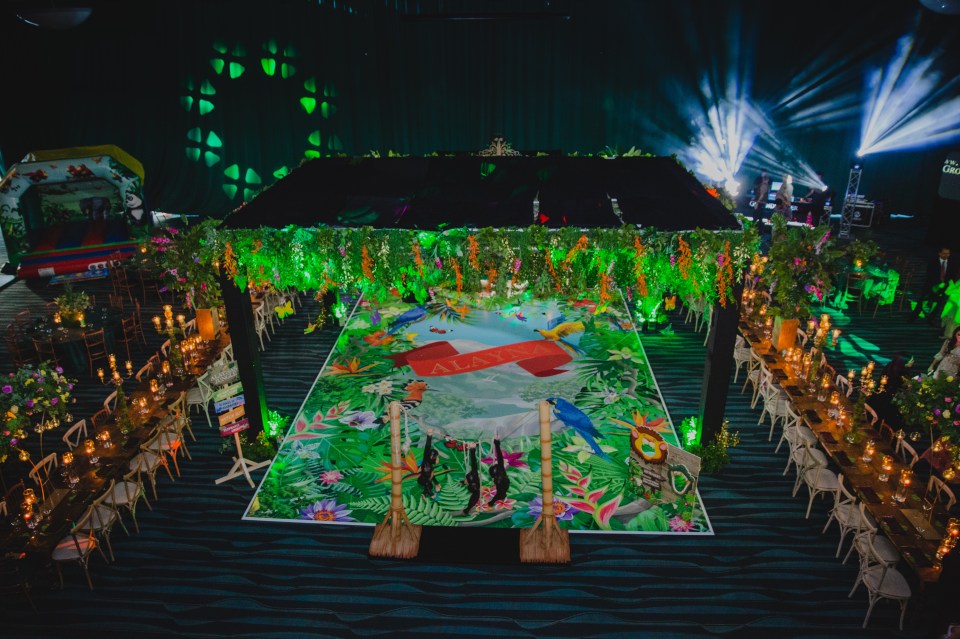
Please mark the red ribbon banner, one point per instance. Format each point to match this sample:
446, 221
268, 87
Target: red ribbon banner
539, 358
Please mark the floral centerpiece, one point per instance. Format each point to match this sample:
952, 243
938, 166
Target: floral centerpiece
800, 268
33, 398
187, 263
71, 304
861, 252
933, 404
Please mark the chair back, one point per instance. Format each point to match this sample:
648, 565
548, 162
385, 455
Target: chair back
871, 414
96, 345
801, 338
110, 403
75, 433
146, 370
886, 431
100, 418
132, 484
42, 471
44, 348
793, 419
178, 405
165, 348
844, 496
941, 492
14, 494
843, 385
907, 453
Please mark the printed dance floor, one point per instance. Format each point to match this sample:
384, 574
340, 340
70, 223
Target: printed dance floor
472, 373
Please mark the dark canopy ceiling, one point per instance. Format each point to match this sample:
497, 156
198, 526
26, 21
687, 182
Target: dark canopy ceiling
430, 192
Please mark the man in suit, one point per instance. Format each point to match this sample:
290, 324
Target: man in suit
941, 271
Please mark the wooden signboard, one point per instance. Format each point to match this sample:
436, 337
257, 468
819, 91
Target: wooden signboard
227, 392
234, 427
231, 416
227, 404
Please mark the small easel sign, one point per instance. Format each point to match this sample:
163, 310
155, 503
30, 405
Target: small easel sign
229, 405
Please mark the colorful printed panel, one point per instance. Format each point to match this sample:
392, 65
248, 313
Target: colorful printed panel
469, 376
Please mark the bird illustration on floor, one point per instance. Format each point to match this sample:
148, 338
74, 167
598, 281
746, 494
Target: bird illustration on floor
558, 332
578, 421
415, 314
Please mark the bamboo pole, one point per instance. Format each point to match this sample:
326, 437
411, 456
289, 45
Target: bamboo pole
546, 542
395, 536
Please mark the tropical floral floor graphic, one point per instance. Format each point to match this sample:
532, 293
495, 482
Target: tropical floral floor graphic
471, 373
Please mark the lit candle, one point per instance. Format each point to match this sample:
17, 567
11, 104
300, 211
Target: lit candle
824, 319
56, 318
949, 473
100, 374
811, 325
89, 446
868, 450
165, 367
129, 367
154, 387
169, 324
181, 320
116, 377
104, 436
937, 446
906, 477
113, 360
953, 528
156, 322
83, 321
67, 459
851, 374
836, 335
27, 511
167, 311
29, 497
143, 249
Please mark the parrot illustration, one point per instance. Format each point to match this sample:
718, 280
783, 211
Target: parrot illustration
558, 332
415, 314
578, 421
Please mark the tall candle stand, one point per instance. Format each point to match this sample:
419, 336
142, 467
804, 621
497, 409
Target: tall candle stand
117, 378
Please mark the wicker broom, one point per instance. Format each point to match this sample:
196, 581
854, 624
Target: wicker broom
546, 542
395, 536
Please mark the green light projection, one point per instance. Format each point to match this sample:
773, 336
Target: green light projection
230, 59
250, 183
203, 146
281, 59
200, 97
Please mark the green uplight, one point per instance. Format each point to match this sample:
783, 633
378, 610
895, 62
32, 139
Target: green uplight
236, 70
269, 66
230, 190
271, 46
193, 153
310, 154
327, 109
251, 177
287, 70
217, 64
194, 135
232, 172
281, 173
205, 107
310, 85
486, 168
690, 432
314, 138
329, 91
248, 194
309, 104
333, 143
220, 47
210, 158
186, 102
207, 89
213, 140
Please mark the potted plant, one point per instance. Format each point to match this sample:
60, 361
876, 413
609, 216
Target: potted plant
188, 266
798, 274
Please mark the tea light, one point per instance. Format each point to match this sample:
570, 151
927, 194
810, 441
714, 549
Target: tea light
156, 322
851, 374
67, 459
953, 528
900, 434
868, 450
858, 264
129, 366
100, 374
56, 318
154, 386
169, 324
167, 311
82, 320
886, 467
165, 367
104, 437
811, 325
29, 497
90, 447
836, 336
113, 360
949, 473
27, 511
181, 320
906, 478
937, 446
943, 551
825, 319
116, 377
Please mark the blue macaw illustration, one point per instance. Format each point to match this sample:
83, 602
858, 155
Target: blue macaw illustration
578, 421
415, 314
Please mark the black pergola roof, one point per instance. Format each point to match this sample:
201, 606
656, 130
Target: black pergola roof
432, 192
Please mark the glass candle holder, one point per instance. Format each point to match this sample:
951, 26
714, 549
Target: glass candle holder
26, 511
903, 486
869, 449
90, 447
104, 437
886, 467
29, 497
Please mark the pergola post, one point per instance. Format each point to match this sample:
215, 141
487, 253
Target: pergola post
719, 364
243, 336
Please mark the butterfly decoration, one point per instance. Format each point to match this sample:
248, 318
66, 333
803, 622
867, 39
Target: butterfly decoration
285, 310
440, 331
411, 336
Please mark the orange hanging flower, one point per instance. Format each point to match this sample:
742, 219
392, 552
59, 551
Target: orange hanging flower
367, 263
230, 262
492, 276
724, 273
553, 273
474, 251
581, 245
458, 273
605, 281
638, 261
417, 259
257, 245
686, 258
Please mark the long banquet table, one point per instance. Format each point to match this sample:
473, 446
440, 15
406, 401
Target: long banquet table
895, 520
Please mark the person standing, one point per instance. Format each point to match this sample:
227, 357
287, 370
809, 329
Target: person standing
784, 198
941, 271
818, 200
761, 188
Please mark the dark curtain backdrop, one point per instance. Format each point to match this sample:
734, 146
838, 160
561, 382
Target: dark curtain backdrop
613, 74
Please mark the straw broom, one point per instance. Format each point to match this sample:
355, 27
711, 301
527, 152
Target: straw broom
546, 542
395, 536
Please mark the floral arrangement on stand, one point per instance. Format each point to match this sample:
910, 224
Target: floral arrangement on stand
71, 304
187, 262
861, 252
800, 267
933, 405
37, 398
